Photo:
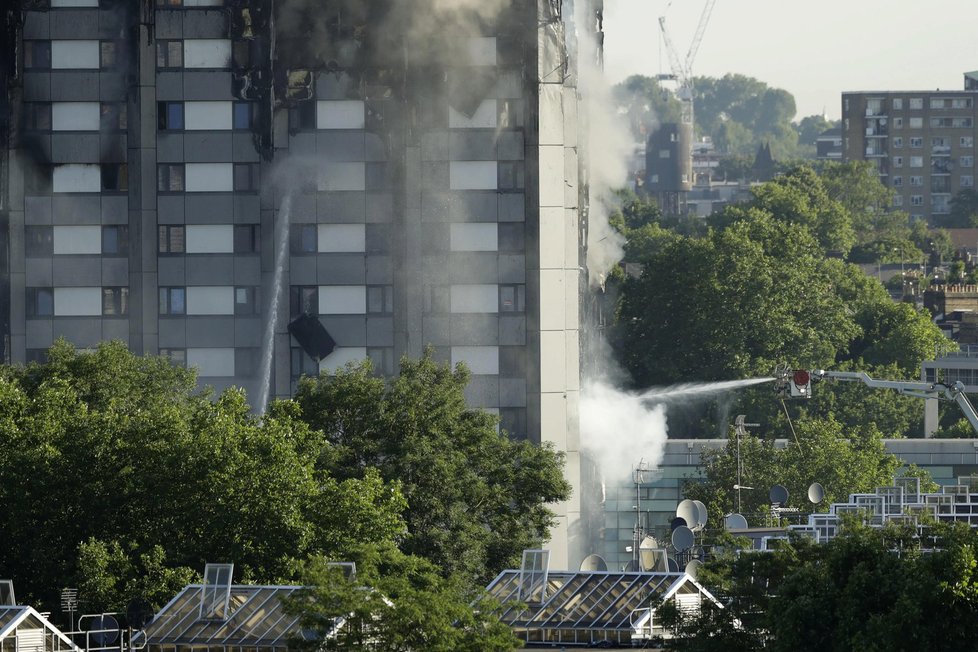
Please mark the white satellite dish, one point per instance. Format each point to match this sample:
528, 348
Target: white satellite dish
682, 538
594, 563
734, 521
701, 514
693, 568
816, 493
687, 511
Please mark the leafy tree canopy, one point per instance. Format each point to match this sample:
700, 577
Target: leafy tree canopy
476, 497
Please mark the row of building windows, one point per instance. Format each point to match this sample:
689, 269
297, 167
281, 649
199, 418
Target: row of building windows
72, 55
876, 106
77, 302
939, 203
205, 115
943, 164
208, 239
379, 299
937, 183
103, 117
78, 177
42, 241
209, 300
208, 177
938, 144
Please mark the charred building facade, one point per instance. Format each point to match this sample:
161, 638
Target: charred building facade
304, 183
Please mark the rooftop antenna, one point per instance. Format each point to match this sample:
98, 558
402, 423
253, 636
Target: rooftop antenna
639, 475
215, 595
740, 428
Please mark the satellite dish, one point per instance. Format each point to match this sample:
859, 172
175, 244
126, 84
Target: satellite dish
701, 513
631, 566
734, 521
673, 565
688, 512
682, 538
104, 630
677, 522
594, 563
778, 495
693, 568
816, 493
650, 554
139, 613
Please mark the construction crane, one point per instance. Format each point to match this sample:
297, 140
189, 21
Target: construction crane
682, 71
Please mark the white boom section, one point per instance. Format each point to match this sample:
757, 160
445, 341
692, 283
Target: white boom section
910, 388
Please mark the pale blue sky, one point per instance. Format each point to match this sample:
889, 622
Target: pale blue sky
815, 50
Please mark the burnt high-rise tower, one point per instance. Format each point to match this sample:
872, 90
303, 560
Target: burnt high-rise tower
424, 153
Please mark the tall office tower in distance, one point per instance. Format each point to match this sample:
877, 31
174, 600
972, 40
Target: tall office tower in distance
264, 189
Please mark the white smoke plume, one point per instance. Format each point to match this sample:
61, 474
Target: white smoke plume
618, 429
608, 144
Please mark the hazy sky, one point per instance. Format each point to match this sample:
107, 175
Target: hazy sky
815, 50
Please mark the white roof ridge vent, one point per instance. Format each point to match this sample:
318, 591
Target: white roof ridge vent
215, 593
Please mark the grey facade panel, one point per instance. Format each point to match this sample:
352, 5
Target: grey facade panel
75, 148
112, 86
482, 391
510, 146
380, 331
472, 145
76, 209
210, 269
39, 272
74, 86
213, 331
171, 209
115, 209
171, 270
434, 175
512, 330
302, 145
434, 146
172, 333
207, 146
379, 207
74, 24
115, 271
471, 267
112, 148
115, 329
512, 268
209, 208
40, 333
169, 24
436, 329
374, 148
342, 207
37, 210
380, 270
248, 331
475, 329
169, 86
339, 145
77, 271
206, 23
82, 332
37, 86
303, 208
247, 209
243, 148
36, 25
247, 271
341, 269
346, 330
169, 148
512, 207
512, 392
207, 85
302, 270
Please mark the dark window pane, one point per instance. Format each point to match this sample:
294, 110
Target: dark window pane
242, 115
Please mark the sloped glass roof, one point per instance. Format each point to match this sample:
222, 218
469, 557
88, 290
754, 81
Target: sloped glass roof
255, 618
13, 618
587, 600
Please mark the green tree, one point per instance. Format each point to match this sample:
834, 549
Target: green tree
395, 602
476, 497
114, 467
964, 210
811, 127
843, 461
732, 305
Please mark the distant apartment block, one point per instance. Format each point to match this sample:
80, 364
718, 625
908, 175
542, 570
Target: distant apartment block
828, 145
922, 143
